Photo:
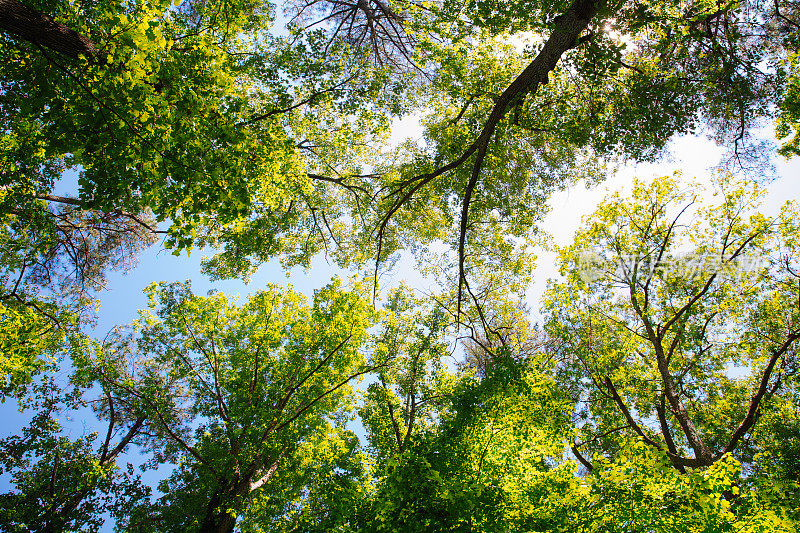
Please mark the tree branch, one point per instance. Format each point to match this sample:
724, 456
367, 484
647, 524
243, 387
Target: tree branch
755, 401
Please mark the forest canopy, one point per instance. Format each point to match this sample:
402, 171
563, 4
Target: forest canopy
656, 389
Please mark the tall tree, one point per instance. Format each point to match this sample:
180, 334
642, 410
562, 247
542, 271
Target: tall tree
197, 112
665, 297
238, 395
265, 149
54, 260
63, 482
520, 98
487, 464
409, 393
52, 247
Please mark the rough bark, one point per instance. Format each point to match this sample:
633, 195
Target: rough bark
30, 25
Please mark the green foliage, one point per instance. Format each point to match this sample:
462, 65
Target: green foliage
266, 145
53, 263
789, 120
675, 387
64, 482
186, 116
487, 465
655, 313
411, 390
241, 394
327, 488
641, 491
25, 338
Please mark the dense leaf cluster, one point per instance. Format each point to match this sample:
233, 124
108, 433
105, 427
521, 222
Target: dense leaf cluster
658, 390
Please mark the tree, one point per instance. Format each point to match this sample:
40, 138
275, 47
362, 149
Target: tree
641, 491
196, 113
380, 27
408, 394
488, 464
165, 113
770, 454
54, 260
327, 488
496, 456
656, 314
64, 483
785, 28
238, 395
612, 78
267, 143
24, 22
26, 339
59, 252
505, 127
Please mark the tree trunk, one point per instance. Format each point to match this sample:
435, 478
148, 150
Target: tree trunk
220, 520
216, 520
25, 23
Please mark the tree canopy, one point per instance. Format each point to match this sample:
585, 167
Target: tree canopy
655, 390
